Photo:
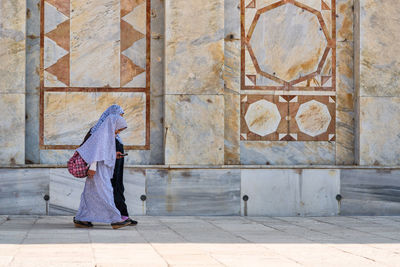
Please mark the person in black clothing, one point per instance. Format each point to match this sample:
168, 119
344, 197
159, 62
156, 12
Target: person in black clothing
117, 180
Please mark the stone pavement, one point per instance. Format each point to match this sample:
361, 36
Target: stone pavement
203, 241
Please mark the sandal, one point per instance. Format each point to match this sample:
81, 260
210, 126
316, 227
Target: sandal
82, 224
118, 225
133, 222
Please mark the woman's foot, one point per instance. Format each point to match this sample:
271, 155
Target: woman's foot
82, 224
118, 225
133, 222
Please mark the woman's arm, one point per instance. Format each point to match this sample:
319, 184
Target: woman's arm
92, 169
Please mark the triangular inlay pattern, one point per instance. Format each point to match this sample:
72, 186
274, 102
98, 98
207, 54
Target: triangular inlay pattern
61, 34
129, 35
62, 5
128, 70
60, 69
128, 5
252, 4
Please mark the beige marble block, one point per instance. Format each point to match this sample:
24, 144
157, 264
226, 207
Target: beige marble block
12, 129
345, 93
379, 48
232, 129
287, 153
194, 51
12, 46
379, 131
194, 129
68, 116
95, 43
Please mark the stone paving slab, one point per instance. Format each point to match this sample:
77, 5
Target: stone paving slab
202, 241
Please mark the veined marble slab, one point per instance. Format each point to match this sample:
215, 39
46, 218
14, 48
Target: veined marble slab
135, 187
95, 43
379, 48
195, 129
12, 129
290, 192
194, 51
287, 153
318, 191
270, 192
12, 46
232, 129
190, 192
22, 191
66, 190
370, 192
379, 131
68, 116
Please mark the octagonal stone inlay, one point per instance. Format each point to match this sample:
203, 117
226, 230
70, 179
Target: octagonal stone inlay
313, 118
287, 42
262, 117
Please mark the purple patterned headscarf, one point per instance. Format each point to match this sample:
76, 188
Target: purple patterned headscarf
101, 144
113, 109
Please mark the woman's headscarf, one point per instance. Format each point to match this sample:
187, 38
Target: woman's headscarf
101, 144
114, 109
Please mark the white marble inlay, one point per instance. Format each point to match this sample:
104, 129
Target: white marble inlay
52, 17
138, 81
137, 53
52, 52
51, 80
313, 118
137, 18
262, 117
95, 43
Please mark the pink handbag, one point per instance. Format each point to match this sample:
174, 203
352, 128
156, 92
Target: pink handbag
77, 166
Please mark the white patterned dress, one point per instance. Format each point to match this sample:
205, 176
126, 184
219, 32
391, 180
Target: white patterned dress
97, 200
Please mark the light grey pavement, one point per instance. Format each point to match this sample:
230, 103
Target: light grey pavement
203, 241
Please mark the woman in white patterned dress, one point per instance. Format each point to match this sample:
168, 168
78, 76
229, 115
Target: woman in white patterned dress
97, 201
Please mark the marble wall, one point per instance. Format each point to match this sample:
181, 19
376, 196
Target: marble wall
263, 191
194, 102
379, 83
12, 81
296, 107
246, 82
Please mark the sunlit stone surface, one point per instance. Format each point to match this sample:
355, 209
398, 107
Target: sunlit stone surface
287, 42
313, 118
263, 117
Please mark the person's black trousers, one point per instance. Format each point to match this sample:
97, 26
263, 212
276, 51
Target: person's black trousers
118, 182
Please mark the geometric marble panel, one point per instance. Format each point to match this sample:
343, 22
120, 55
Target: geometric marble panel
289, 55
312, 118
263, 117
288, 45
68, 116
93, 54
